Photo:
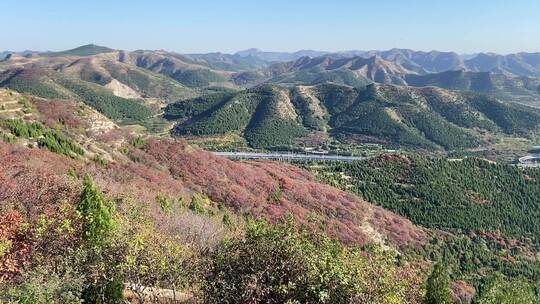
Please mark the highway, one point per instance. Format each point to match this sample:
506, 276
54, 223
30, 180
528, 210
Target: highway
288, 156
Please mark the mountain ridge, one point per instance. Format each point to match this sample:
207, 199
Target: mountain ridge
271, 116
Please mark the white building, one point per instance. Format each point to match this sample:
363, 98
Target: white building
533, 158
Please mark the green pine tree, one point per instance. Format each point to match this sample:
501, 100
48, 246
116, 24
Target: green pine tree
98, 224
438, 286
96, 214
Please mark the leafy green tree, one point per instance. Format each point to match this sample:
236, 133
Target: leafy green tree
277, 264
153, 260
438, 286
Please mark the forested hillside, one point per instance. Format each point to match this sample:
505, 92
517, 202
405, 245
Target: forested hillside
486, 212
466, 195
100, 203
428, 118
175, 221
92, 211
54, 85
509, 88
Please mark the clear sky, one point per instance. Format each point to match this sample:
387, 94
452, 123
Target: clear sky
465, 26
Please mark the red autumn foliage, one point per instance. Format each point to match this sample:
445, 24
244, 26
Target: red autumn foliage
15, 243
248, 187
36, 178
54, 112
462, 292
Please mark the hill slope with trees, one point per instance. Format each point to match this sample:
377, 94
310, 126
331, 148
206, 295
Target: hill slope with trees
137, 214
429, 118
485, 213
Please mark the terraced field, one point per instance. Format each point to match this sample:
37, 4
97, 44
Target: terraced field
12, 105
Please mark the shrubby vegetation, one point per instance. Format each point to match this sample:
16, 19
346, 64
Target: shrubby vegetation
83, 245
277, 264
53, 140
49, 84
149, 83
90, 250
500, 290
87, 252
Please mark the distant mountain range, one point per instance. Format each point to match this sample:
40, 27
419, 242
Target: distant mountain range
359, 71
4, 54
511, 77
134, 85
279, 56
138, 74
519, 64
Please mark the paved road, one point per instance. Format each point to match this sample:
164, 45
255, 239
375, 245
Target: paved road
288, 156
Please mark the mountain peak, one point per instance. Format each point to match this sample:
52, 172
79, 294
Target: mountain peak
83, 50
248, 52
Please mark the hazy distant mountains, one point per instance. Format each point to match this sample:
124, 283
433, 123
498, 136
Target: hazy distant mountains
4, 54
397, 69
521, 64
84, 50
344, 70
423, 62
279, 56
419, 62
171, 76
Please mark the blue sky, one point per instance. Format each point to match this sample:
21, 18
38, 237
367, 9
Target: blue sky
500, 26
